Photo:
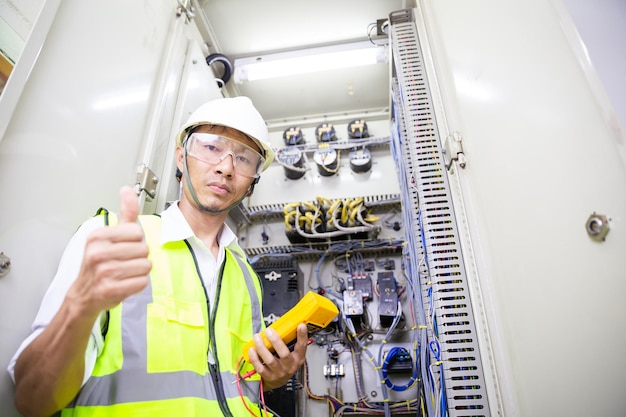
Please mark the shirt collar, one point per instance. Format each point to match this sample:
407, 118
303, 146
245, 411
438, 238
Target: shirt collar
175, 228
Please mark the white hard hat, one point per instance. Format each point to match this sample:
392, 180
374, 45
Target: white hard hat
238, 113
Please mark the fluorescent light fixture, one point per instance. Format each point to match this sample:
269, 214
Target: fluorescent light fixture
309, 60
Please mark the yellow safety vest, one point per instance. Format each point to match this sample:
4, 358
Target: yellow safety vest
156, 351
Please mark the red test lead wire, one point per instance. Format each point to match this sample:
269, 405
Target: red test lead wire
248, 374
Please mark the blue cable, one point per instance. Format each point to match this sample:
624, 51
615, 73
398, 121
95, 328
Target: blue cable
393, 353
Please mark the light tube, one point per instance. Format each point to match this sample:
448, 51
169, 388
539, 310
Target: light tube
307, 61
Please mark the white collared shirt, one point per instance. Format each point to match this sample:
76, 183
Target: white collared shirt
174, 228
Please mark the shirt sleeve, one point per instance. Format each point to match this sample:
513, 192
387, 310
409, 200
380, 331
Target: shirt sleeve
66, 274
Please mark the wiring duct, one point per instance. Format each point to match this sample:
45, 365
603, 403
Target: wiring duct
415, 267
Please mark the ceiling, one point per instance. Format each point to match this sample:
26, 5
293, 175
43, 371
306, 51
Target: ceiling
244, 28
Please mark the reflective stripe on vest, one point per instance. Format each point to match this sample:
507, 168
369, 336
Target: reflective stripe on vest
257, 325
137, 364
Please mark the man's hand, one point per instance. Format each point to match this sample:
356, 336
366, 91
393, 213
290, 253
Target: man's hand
276, 371
115, 264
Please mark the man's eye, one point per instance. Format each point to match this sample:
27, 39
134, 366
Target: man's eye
241, 159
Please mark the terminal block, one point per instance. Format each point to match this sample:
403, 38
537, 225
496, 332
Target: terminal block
335, 369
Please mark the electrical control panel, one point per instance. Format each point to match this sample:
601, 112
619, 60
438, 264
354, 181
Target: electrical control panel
348, 212
340, 235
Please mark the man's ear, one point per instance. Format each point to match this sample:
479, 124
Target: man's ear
179, 158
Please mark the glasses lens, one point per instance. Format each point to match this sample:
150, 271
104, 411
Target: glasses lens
214, 148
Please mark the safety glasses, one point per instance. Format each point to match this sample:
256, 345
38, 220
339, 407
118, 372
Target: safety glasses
212, 149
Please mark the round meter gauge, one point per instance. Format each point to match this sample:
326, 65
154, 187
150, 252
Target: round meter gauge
327, 161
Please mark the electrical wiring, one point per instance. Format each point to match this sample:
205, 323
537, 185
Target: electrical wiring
353, 215
417, 329
309, 206
369, 218
277, 256
360, 264
312, 221
358, 375
440, 398
323, 202
435, 348
290, 206
316, 217
410, 290
373, 27
343, 145
391, 355
334, 402
400, 407
417, 270
238, 379
353, 229
344, 211
372, 360
330, 214
261, 391
317, 271
357, 369
339, 232
336, 169
341, 247
341, 262
350, 260
383, 377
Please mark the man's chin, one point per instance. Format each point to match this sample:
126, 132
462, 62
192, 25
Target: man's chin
212, 209
218, 208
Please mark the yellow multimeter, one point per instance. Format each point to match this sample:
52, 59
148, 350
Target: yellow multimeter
313, 310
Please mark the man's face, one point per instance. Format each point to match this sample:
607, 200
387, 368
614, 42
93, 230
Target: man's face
219, 185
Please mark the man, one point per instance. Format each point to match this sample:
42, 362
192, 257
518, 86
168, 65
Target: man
149, 315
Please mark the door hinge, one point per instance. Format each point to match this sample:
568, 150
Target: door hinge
185, 7
453, 150
146, 181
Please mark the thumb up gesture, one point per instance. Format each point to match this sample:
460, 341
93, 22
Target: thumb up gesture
115, 263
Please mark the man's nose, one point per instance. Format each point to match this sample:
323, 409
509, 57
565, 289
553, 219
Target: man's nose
226, 165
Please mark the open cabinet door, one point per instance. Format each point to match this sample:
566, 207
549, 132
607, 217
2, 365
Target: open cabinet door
535, 166
99, 101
